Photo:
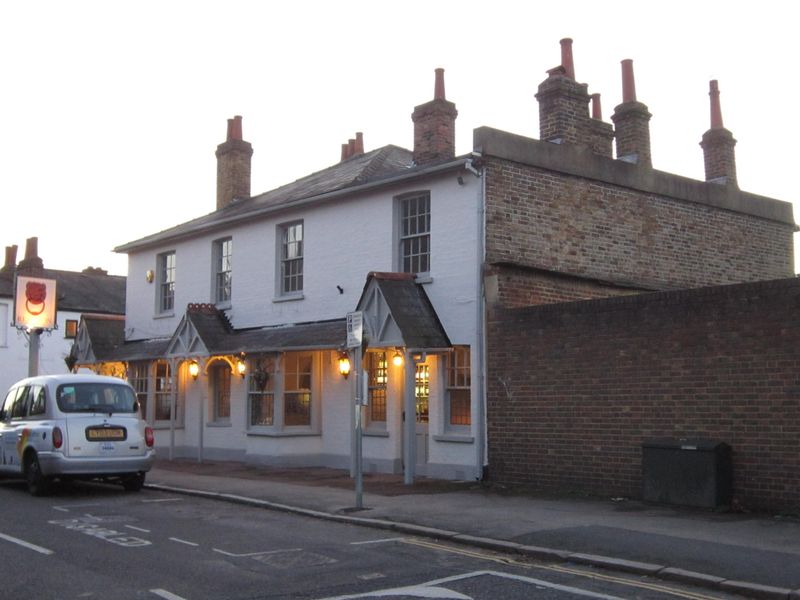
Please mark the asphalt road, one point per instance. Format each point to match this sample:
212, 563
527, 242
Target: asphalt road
94, 541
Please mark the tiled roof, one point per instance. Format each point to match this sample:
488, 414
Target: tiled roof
371, 167
80, 292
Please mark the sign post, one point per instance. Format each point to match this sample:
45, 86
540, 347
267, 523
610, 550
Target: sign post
355, 338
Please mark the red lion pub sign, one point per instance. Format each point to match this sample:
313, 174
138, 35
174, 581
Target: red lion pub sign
35, 303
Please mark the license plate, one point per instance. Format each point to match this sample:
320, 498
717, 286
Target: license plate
101, 434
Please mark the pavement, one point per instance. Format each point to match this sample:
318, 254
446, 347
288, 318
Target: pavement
754, 555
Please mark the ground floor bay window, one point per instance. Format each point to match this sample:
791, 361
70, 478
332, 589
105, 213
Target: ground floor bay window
282, 391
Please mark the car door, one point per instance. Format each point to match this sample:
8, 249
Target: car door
12, 428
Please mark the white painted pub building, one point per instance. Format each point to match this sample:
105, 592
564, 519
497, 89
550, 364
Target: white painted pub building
235, 321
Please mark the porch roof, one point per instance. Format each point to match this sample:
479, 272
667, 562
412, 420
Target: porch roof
204, 330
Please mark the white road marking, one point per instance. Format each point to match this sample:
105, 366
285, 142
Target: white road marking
180, 541
255, 553
25, 544
380, 541
166, 595
434, 589
137, 528
162, 500
63, 508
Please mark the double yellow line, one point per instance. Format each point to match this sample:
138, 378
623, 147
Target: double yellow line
655, 587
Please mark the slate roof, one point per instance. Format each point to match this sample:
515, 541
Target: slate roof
412, 310
108, 344
80, 292
371, 167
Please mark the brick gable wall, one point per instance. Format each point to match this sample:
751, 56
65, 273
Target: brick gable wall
574, 389
548, 220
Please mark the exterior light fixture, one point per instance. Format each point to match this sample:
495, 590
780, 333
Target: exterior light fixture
194, 369
241, 367
397, 359
344, 364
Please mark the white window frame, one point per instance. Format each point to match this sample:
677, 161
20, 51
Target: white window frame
166, 264
413, 237
458, 377
290, 256
219, 374
267, 364
222, 272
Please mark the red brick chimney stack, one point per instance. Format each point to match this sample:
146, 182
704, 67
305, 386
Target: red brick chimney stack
31, 264
632, 122
564, 109
353, 147
233, 165
11, 261
563, 103
435, 127
718, 145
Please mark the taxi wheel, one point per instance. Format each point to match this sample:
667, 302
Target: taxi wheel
38, 484
133, 483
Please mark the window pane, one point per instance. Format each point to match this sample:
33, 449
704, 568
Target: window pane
261, 391
415, 234
221, 391
297, 408
377, 370
459, 407
458, 386
223, 264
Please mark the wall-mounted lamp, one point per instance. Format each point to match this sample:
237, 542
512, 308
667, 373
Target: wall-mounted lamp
344, 364
149, 276
241, 367
397, 359
194, 369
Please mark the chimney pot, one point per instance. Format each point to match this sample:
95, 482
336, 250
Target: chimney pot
345, 148
31, 264
566, 58
237, 128
438, 87
628, 82
359, 142
597, 111
716, 110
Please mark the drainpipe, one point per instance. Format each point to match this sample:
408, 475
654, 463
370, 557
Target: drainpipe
480, 429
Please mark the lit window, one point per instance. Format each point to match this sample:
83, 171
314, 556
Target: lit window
458, 386
291, 267
376, 368
297, 389
166, 282
219, 380
137, 377
223, 266
71, 328
415, 233
422, 391
261, 392
163, 391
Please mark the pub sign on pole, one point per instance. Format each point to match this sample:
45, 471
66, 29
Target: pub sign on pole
35, 303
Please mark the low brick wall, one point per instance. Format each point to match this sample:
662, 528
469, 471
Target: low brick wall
574, 389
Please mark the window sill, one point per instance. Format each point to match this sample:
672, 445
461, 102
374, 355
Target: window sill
454, 438
164, 315
223, 305
424, 278
376, 433
166, 426
288, 298
218, 424
281, 434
